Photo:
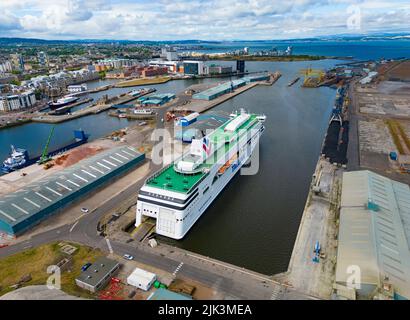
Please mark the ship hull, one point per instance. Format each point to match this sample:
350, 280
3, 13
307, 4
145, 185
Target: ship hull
174, 222
55, 106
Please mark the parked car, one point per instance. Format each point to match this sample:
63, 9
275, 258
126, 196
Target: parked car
85, 267
85, 210
128, 257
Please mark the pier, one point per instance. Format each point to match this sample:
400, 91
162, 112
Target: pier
96, 108
194, 105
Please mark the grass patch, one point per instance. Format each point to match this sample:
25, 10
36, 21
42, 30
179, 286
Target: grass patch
35, 262
392, 125
140, 82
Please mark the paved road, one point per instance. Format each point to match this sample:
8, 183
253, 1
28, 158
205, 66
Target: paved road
232, 283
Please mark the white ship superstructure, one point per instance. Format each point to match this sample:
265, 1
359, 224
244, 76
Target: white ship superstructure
178, 195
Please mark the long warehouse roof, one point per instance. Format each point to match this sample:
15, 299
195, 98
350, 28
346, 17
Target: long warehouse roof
375, 230
37, 196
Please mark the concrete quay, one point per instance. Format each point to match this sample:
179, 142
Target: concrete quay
318, 223
192, 105
77, 114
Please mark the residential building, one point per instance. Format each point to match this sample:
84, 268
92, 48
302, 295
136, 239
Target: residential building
17, 61
42, 59
6, 66
59, 81
17, 101
154, 71
171, 65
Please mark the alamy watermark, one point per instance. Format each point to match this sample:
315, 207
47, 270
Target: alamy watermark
354, 280
241, 150
54, 280
354, 20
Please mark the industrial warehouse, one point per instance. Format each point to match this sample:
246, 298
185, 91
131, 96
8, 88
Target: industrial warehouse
156, 99
227, 87
26, 207
374, 237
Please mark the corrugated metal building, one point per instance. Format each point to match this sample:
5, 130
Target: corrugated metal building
156, 99
374, 234
220, 90
28, 206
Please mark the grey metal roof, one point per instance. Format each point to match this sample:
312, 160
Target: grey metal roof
97, 271
41, 194
375, 230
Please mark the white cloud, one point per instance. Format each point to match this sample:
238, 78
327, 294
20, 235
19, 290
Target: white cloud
8, 21
194, 19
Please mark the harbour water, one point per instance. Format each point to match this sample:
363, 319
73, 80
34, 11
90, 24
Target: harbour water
361, 50
254, 222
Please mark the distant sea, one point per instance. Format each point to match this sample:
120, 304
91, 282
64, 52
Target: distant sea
360, 50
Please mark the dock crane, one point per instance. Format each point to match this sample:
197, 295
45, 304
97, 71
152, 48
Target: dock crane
312, 77
44, 156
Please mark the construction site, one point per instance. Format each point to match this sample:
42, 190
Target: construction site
382, 111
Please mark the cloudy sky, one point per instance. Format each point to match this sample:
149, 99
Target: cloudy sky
199, 19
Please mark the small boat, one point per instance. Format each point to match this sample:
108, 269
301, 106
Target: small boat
17, 160
135, 92
293, 82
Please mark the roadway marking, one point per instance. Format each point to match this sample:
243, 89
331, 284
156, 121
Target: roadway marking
109, 245
72, 228
235, 269
275, 293
177, 269
32, 202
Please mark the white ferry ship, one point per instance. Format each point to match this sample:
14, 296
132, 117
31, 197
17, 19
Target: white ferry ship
178, 195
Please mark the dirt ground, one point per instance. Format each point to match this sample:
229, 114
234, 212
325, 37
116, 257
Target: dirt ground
402, 72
